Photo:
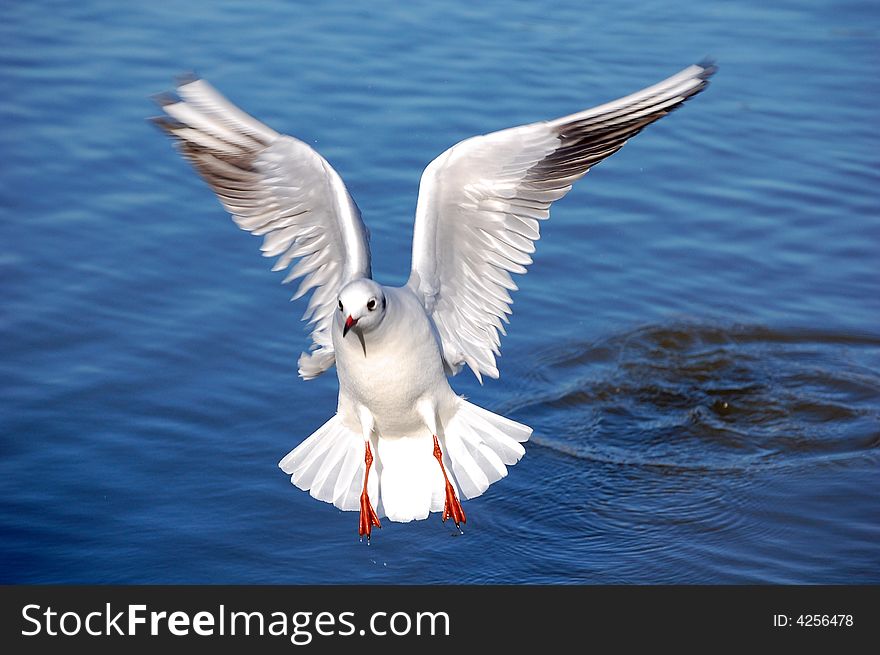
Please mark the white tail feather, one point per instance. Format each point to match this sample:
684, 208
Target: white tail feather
330, 466
406, 482
411, 484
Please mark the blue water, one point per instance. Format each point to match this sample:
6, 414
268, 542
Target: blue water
697, 344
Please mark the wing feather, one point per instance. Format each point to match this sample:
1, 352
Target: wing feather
277, 187
481, 203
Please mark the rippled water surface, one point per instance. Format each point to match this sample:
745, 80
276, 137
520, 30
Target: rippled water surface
697, 344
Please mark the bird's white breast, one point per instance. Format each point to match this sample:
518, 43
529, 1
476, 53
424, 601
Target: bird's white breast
397, 364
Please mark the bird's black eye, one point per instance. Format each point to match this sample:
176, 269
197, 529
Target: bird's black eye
371, 304
340, 305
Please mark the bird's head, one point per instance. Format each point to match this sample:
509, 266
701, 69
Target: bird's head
361, 304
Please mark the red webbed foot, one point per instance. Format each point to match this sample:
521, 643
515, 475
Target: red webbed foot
368, 516
452, 508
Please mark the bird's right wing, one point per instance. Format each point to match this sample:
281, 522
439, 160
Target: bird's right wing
481, 200
277, 187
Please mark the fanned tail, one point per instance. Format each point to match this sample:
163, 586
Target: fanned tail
406, 482
480, 445
330, 466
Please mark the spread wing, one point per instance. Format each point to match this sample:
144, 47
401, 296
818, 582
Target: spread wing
481, 200
277, 187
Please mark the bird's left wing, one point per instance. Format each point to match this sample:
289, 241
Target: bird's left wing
277, 187
481, 200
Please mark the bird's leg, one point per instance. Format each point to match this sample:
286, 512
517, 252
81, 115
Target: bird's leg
452, 507
368, 516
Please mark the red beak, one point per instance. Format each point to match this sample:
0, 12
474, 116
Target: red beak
349, 323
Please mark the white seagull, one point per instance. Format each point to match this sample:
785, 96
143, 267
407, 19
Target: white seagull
402, 444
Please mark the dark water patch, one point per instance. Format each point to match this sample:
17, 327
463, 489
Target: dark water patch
694, 395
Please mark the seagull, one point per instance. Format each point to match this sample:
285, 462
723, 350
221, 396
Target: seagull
402, 444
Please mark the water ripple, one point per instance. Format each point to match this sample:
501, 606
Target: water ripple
698, 396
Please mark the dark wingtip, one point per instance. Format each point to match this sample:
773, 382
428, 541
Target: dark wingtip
709, 68
164, 99
187, 77
166, 124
